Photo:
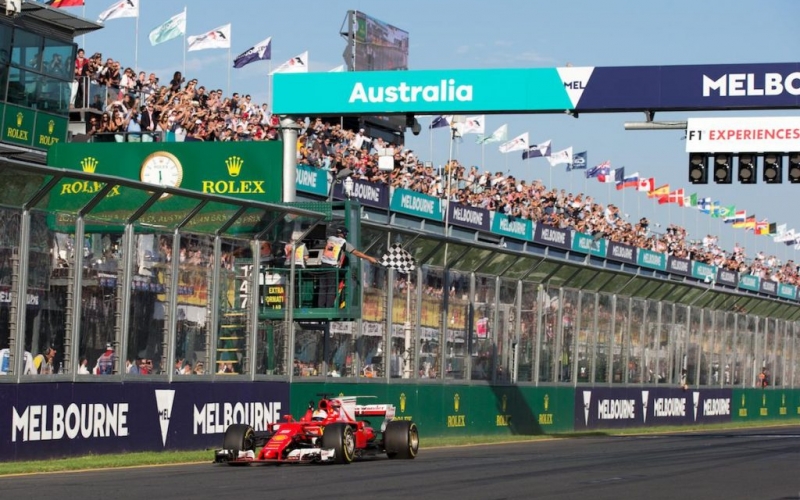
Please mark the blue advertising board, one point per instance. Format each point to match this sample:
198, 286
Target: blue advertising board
621, 253
466, 216
541, 90
603, 407
61, 419
368, 194
553, 237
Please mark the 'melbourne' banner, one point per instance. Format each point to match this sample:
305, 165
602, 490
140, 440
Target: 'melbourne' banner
727, 277
621, 253
412, 203
585, 243
749, 282
787, 292
311, 180
512, 226
369, 194
553, 237
653, 260
471, 217
681, 267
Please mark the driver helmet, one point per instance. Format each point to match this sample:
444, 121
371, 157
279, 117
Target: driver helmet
319, 415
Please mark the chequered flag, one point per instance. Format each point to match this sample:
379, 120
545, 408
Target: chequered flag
399, 260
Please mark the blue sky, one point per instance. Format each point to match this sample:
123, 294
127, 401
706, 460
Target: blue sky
511, 34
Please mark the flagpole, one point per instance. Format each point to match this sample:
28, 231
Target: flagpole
136, 45
269, 84
184, 42
229, 69
83, 37
430, 138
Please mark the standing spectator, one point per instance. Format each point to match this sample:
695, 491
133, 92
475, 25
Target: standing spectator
176, 83
333, 256
79, 85
105, 363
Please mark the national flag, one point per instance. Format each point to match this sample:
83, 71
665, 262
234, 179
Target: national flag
441, 121
473, 125
601, 169
262, 51
673, 197
611, 176
704, 205
338, 69
218, 38
124, 8
724, 211
297, 64
518, 143
579, 162
659, 191
761, 227
398, 259
691, 201
629, 181
499, 135
537, 150
563, 156
745, 223
738, 216
173, 28
646, 185
773, 228
60, 4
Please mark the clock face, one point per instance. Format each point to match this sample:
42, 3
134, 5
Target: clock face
162, 169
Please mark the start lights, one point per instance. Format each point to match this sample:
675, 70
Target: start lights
720, 166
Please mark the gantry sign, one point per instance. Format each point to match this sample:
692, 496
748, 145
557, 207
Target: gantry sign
541, 90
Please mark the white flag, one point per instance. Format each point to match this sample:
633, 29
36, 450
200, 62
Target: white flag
499, 135
473, 125
125, 8
337, 69
297, 64
218, 38
563, 156
518, 143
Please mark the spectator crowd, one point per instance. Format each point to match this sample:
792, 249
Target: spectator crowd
140, 107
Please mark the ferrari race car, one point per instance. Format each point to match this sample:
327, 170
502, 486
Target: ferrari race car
335, 430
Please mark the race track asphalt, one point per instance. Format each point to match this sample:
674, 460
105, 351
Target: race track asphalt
744, 464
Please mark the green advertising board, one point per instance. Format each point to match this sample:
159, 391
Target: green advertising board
512, 226
246, 170
420, 205
765, 404
704, 271
27, 127
312, 180
458, 410
584, 243
749, 282
652, 260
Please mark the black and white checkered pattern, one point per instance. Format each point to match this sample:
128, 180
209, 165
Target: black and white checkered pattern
398, 259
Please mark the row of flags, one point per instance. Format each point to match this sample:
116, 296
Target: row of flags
605, 174
217, 38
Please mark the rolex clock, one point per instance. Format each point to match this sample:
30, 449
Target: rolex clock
162, 169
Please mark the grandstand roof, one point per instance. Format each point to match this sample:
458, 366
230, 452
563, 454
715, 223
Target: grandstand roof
58, 17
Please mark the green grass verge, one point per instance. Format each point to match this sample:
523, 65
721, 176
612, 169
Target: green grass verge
142, 459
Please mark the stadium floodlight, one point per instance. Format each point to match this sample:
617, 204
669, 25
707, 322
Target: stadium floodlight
698, 168
722, 168
772, 168
747, 168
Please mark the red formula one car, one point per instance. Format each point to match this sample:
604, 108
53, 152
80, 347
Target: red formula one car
335, 430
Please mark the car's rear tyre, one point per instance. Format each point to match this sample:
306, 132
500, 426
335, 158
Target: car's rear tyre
340, 437
401, 439
239, 437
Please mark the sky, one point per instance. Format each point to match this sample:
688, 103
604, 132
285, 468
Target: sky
509, 34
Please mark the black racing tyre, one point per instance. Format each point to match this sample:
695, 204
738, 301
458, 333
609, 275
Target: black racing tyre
239, 437
401, 439
340, 437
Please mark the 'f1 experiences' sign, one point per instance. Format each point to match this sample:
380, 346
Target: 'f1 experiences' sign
753, 134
